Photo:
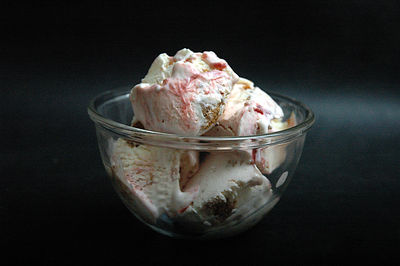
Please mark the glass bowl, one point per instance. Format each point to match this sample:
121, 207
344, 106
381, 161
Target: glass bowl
196, 187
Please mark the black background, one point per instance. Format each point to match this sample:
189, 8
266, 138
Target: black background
340, 57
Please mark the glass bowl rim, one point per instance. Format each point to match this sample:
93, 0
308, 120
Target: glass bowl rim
130, 132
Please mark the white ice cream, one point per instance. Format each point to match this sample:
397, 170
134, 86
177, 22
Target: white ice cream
184, 94
270, 158
195, 94
229, 186
251, 111
153, 175
248, 111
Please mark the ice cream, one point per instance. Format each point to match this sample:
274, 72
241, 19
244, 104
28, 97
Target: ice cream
193, 94
184, 94
248, 111
251, 111
227, 182
154, 175
270, 158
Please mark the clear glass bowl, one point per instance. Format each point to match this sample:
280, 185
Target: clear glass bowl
139, 160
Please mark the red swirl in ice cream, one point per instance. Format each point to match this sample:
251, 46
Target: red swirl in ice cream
184, 94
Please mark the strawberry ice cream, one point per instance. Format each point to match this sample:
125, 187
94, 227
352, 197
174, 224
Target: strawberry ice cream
198, 94
227, 183
153, 176
248, 111
251, 111
184, 94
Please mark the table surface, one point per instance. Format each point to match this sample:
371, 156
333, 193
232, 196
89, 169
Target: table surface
57, 204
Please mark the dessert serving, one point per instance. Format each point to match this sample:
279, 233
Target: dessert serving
206, 152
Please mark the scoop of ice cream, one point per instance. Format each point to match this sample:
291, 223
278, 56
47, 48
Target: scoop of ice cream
153, 175
251, 111
184, 94
248, 111
227, 182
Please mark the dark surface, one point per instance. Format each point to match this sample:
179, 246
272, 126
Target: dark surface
339, 57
